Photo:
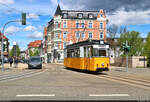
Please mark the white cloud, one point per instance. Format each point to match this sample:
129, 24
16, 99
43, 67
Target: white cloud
12, 30
122, 17
35, 35
7, 1
33, 16
30, 28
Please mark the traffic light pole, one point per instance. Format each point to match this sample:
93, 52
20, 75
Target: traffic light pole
3, 33
127, 62
126, 57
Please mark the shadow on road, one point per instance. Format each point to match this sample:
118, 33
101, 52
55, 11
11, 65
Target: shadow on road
86, 71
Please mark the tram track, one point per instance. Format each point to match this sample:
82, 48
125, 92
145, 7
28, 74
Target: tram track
130, 81
20, 75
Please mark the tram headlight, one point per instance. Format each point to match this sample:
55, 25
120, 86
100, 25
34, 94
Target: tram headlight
102, 64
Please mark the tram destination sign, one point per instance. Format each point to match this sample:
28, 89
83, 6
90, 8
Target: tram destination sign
100, 46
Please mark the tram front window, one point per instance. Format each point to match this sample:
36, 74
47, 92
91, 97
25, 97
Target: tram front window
97, 52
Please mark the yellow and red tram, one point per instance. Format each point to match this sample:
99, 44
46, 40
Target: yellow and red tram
91, 55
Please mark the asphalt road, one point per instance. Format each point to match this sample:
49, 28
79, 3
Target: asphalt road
57, 83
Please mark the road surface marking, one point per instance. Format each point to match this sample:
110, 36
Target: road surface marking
36, 95
108, 95
21, 76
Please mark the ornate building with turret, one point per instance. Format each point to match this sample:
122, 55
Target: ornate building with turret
71, 26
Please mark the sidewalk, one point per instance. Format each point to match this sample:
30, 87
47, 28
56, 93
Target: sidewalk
20, 66
136, 71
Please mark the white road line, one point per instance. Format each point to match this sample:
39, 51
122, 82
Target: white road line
108, 95
36, 95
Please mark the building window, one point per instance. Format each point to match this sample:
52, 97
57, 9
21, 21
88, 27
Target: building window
56, 23
90, 35
83, 35
65, 24
57, 35
64, 44
90, 15
77, 35
90, 25
101, 15
65, 15
82, 25
65, 34
80, 15
101, 25
101, 35
77, 25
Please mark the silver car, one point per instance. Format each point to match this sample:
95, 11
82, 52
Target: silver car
35, 62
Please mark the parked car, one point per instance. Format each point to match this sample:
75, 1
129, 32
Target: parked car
35, 62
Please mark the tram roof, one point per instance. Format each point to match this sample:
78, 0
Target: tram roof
87, 42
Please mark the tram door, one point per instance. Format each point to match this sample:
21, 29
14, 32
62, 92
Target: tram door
87, 55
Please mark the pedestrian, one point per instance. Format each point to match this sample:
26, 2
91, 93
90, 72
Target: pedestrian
16, 62
11, 61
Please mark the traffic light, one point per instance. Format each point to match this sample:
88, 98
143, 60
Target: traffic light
23, 18
128, 48
3, 47
123, 46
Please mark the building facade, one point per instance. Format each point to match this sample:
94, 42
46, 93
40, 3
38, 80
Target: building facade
5, 46
34, 46
71, 26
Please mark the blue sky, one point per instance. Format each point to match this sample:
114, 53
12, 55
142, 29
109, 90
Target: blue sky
133, 14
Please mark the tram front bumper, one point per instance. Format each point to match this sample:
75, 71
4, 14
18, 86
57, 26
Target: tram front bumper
102, 69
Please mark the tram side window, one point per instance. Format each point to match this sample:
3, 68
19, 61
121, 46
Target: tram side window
85, 52
77, 52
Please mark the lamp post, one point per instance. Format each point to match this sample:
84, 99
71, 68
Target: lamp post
15, 50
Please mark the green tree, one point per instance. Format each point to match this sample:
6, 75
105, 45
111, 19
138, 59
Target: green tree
146, 51
30, 52
36, 52
17, 51
134, 40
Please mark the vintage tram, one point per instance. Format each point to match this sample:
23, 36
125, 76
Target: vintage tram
91, 55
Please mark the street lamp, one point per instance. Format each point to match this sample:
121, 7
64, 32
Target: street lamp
14, 45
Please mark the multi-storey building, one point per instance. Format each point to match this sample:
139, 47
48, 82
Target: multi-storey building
34, 46
71, 26
5, 46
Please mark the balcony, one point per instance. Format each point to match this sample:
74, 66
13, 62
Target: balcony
57, 29
57, 40
49, 43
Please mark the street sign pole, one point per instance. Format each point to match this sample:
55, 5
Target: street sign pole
127, 62
126, 57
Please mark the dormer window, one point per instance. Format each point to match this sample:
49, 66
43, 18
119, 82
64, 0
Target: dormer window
80, 15
65, 15
90, 15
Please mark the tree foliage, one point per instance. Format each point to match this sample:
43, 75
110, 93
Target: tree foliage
146, 51
17, 51
134, 40
35, 52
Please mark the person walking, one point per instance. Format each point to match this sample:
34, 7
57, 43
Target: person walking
16, 62
11, 61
